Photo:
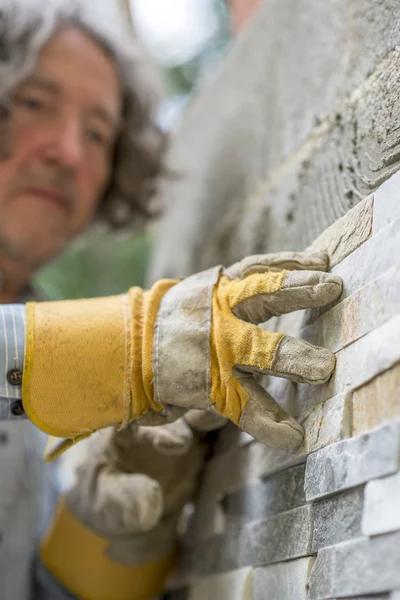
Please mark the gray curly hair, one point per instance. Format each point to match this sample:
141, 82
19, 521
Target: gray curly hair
25, 28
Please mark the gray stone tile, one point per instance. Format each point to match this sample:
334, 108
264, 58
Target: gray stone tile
286, 581
352, 462
337, 519
382, 506
279, 493
364, 566
278, 538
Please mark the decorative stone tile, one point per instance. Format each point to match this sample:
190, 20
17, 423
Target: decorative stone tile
279, 493
364, 265
237, 585
283, 537
377, 402
356, 365
347, 233
369, 262
387, 203
364, 566
371, 306
382, 506
352, 462
327, 423
365, 310
337, 519
286, 581
379, 350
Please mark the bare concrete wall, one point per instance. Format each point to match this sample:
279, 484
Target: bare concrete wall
300, 123
295, 142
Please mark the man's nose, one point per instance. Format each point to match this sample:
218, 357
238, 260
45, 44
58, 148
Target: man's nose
66, 147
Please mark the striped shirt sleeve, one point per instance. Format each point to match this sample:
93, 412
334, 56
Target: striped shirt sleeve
12, 348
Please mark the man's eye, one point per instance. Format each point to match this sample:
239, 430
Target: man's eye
97, 137
31, 104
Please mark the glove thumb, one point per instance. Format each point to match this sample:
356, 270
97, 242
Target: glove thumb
264, 419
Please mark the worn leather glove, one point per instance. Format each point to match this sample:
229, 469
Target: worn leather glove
181, 345
114, 536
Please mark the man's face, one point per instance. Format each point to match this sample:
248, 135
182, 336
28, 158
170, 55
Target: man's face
65, 121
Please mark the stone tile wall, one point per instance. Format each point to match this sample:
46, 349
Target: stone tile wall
295, 143
322, 522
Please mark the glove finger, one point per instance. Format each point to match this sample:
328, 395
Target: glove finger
265, 420
283, 356
172, 439
205, 420
260, 297
126, 501
262, 263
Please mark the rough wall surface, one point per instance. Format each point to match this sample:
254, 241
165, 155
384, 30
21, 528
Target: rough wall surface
295, 143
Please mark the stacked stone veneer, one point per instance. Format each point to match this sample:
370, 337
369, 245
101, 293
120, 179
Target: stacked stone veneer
295, 144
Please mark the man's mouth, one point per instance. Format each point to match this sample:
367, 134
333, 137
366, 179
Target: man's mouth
54, 197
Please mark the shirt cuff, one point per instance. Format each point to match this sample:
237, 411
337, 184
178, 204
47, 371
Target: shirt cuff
12, 351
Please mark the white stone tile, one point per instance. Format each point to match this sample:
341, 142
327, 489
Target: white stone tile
382, 506
386, 203
285, 581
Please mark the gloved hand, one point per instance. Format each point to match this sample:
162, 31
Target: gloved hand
181, 345
115, 533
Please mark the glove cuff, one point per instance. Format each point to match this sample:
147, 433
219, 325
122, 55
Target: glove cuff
80, 560
88, 363
182, 342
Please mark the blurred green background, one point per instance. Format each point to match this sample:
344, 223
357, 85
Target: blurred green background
97, 265
100, 262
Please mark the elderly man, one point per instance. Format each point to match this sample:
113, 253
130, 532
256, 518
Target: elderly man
81, 144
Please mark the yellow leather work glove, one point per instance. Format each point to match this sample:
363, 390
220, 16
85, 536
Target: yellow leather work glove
114, 536
181, 345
